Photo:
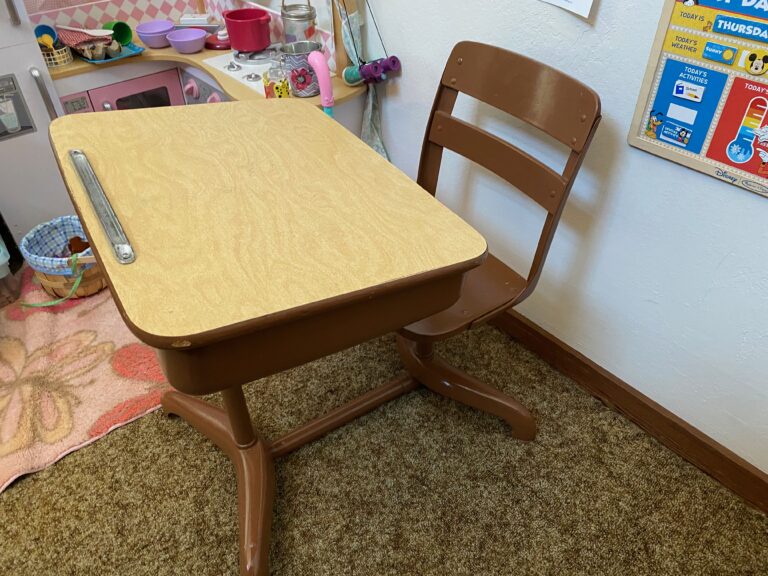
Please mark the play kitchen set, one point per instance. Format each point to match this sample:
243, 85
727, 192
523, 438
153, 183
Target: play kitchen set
272, 70
294, 64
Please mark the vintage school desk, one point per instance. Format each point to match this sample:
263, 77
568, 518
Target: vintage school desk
265, 235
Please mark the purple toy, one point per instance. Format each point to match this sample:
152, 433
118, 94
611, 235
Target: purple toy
372, 72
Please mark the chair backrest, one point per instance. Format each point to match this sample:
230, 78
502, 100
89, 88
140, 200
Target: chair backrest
535, 93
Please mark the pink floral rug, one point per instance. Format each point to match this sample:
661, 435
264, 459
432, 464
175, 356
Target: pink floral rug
68, 375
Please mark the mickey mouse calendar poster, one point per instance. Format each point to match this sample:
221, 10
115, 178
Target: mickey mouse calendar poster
704, 102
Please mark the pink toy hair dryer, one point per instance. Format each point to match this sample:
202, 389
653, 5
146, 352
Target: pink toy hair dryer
323, 73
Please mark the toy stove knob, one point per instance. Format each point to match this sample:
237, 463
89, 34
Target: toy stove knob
191, 89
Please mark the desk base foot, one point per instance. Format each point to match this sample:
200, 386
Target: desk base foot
231, 430
255, 477
442, 378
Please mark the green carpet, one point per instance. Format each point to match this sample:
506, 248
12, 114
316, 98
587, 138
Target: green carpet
421, 486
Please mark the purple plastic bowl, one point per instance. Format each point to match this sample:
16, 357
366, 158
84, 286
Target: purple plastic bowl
155, 27
153, 34
154, 40
188, 40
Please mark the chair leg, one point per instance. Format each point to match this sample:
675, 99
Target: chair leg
253, 464
444, 379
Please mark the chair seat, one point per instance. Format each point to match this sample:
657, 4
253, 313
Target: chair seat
488, 288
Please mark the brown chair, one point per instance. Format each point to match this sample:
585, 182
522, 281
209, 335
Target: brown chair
548, 100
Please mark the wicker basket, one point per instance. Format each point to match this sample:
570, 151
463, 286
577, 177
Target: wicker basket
43, 248
56, 58
59, 286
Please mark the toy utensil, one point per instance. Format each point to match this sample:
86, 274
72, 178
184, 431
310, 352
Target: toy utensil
90, 31
46, 40
320, 66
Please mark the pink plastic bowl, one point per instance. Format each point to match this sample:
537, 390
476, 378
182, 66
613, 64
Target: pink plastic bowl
187, 40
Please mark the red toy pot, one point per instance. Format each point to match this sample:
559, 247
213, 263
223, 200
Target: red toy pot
248, 29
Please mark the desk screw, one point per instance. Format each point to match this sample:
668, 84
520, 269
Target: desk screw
460, 61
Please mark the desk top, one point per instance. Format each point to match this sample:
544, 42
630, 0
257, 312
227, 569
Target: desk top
246, 214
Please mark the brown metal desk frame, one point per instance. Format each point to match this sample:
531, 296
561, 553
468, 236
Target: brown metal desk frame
370, 259
335, 327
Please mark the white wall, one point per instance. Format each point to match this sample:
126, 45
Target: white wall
657, 273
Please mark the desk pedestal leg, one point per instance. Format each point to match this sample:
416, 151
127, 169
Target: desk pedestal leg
253, 464
232, 431
442, 378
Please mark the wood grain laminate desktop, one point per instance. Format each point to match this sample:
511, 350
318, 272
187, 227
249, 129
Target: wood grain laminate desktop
245, 210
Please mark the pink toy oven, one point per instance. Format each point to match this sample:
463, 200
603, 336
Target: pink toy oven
151, 91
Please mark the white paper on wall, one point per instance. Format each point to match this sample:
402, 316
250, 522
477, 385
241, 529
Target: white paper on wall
580, 7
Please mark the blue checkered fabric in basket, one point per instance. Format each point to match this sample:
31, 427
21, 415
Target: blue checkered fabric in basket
45, 247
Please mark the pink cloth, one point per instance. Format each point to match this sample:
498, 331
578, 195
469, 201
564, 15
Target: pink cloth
68, 375
71, 38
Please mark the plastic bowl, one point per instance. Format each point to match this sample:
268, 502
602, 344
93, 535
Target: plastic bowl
153, 34
42, 29
155, 27
154, 40
188, 40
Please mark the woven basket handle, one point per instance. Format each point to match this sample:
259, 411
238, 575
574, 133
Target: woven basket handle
83, 260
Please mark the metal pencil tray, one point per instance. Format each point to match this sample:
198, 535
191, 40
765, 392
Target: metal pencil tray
121, 246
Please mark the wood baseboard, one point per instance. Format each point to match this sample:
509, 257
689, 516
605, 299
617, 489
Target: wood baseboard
729, 469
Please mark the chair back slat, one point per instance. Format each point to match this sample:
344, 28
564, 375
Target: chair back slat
542, 184
535, 93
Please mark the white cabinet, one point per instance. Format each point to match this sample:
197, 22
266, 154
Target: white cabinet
15, 27
31, 189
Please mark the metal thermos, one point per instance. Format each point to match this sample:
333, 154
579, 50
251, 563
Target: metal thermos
302, 77
299, 22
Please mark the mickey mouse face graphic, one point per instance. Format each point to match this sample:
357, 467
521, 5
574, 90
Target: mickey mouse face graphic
756, 66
